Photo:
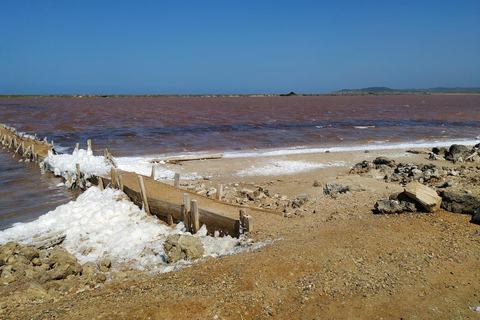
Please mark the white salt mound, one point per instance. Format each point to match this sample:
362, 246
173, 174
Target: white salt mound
104, 224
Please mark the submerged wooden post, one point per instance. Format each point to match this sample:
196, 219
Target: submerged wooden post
186, 212
195, 218
143, 192
219, 191
152, 175
100, 183
176, 181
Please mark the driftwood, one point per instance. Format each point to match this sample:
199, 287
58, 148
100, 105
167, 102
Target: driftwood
187, 158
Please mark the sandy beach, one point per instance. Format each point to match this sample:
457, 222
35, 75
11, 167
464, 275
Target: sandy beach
327, 257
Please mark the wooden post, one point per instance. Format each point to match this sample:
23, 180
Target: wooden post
89, 144
219, 191
195, 218
34, 155
52, 143
113, 176
105, 154
143, 192
79, 178
100, 183
77, 146
153, 173
186, 212
176, 181
170, 219
249, 223
242, 215
120, 183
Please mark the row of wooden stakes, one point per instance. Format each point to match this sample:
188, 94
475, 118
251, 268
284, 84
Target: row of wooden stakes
188, 212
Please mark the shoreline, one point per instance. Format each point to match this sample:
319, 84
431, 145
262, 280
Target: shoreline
335, 257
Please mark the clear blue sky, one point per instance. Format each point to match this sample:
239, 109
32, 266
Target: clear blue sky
179, 47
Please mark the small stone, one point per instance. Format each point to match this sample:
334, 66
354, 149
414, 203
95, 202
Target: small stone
317, 183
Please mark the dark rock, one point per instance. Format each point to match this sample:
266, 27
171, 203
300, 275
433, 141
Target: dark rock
362, 167
439, 151
456, 152
460, 202
333, 188
396, 203
387, 206
407, 203
476, 217
384, 161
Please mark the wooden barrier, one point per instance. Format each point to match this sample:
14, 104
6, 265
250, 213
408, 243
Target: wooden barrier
188, 212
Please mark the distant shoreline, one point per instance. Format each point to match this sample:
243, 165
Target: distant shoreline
11, 96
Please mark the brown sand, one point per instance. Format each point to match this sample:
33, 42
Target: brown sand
334, 260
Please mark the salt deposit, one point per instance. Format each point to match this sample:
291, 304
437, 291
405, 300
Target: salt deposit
65, 164
106, 225
286, 167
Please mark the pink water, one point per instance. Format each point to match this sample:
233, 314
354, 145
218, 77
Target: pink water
155, 126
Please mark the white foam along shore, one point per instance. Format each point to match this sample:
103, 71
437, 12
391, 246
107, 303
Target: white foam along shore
106, 225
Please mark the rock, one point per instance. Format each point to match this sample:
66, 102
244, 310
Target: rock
30, 252
441, 151
447, 184
426, 196
62, 264
36, 290
433, 156
105, 265
384, 161
178, 247
332, 188
457, 151
387, 206
89, 270
49, 242
460, 202
317, 183
362, 167
476, 217
396, 203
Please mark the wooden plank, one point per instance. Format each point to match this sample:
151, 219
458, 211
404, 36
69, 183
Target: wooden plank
188, 158
100, 183
143, 193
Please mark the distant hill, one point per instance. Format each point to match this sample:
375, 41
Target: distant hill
385, 90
